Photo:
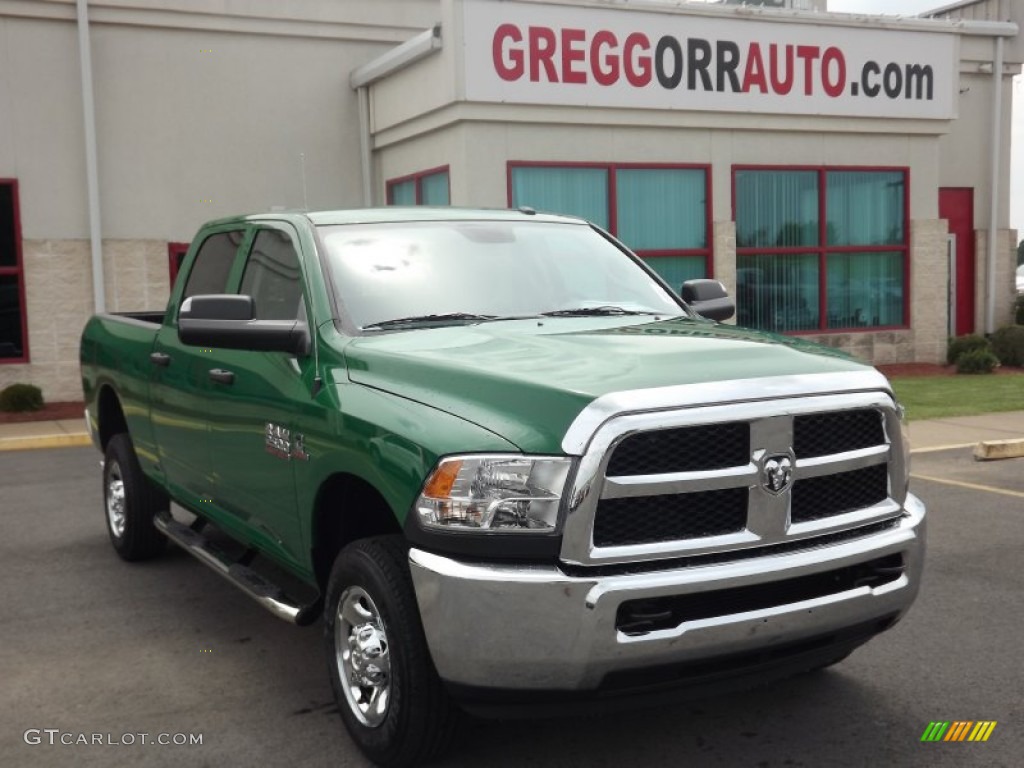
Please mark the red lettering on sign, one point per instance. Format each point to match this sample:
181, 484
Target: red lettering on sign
637, 67
507, 63
610, 74
542, 53
781, 87
571, 56
808, 53
754, 74
833, 87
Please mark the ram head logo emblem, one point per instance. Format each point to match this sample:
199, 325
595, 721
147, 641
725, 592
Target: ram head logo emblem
777, 475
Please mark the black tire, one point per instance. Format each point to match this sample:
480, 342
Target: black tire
832, 663
130, 501
417, 720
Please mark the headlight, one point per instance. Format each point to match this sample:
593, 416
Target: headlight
494, 493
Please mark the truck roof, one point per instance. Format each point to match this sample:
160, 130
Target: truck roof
398, 214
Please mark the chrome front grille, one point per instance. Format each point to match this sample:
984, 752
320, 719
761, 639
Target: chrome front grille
684, 449
641, 520
816, 498
820, 434
696, 480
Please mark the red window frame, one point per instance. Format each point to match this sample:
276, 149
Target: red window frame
175, 257
707, 252
417, 177
18, 270
822, 249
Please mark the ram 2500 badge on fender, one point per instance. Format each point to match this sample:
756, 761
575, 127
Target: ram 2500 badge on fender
504, 461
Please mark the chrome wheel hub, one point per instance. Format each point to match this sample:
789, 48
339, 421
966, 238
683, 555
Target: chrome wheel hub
364, 665
115, 500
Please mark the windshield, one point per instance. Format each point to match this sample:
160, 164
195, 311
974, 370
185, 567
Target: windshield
444, 272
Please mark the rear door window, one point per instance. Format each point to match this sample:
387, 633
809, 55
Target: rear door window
213, 263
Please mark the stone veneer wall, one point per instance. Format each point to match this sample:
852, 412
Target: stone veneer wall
1006, 284
58, 295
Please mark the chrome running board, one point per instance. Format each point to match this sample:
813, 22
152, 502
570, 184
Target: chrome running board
264, 592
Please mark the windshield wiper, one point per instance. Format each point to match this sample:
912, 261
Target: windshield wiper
400, 322
596, 312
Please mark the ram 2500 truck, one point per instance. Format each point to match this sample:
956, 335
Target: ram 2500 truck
504, 461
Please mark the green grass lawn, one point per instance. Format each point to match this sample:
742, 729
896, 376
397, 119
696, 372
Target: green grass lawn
934, 397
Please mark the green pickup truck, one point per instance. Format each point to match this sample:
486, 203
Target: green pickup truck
507, 465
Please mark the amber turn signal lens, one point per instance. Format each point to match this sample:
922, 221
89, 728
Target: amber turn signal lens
439, 486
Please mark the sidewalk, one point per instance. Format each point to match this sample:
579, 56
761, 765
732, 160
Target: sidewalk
934, 435
43, 434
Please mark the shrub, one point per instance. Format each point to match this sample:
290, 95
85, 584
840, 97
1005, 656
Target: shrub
976, 361
1008, 345
1019, 314
21, 397
962, 344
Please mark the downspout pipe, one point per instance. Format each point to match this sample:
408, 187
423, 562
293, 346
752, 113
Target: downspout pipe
99, 294
365, 150
416, 48
996, 159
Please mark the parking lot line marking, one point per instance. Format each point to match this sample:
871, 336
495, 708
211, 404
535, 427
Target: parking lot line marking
970, 486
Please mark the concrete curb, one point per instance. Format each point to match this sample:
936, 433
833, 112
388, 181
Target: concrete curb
991, 450
44, 441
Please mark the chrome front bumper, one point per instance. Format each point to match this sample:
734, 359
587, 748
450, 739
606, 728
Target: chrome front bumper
524, 628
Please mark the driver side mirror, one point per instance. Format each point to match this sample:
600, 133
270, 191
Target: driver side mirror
708, 298
228, 321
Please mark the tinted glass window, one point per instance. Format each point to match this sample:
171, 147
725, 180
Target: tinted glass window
213, 264
776, 209
8, 252
579, 192
272, 276
10, 318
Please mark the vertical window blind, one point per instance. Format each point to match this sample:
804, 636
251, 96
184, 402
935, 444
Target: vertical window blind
821, 249
660, 212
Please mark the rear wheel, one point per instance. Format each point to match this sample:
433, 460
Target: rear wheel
130, 501
392, 701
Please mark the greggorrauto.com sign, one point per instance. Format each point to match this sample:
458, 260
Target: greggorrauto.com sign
583, 56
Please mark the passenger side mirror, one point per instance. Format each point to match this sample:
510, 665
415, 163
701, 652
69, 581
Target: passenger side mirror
709, 299
227, 321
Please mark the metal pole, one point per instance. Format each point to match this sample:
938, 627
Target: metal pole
996, 156
99, 294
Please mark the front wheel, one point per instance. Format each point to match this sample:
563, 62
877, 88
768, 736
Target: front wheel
392, 702
130, 501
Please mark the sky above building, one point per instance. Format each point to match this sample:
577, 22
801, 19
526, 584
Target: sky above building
914, 7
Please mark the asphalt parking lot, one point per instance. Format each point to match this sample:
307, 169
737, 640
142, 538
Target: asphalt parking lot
89, 644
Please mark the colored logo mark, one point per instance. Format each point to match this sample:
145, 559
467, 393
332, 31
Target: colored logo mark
959, 730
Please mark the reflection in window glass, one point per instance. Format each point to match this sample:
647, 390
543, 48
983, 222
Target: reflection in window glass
865, 207
776, 209
483, 267
865, 289
777, 292
272, 276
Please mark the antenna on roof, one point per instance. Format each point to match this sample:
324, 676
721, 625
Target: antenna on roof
302, 163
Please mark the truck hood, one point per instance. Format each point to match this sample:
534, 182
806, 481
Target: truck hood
527, 380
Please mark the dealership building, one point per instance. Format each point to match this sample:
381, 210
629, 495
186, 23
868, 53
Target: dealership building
846, 177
